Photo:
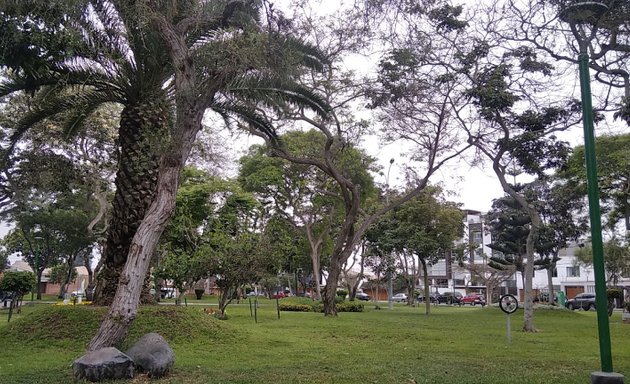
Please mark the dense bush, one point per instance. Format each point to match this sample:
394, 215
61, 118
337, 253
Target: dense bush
293, 307
342, 293
350, 306
302, 304
614, 293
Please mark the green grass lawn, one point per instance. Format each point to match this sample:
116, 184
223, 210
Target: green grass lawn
452, 345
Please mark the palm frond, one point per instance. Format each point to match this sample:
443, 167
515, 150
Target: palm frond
311, 56
54, 103
248, 115
277, 92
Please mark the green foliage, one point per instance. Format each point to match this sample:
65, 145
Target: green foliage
75, 325
344, 306
616, 259
491, 94
612, 153
624, 112
292, 307
446, 16
383, 337
59, 272
509, 227
614, 293
4, 259
342, 293
17, 282
350, 306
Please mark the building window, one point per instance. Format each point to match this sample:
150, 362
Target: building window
554, 273
573, 271
477, 238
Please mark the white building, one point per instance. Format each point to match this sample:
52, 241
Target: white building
446, 275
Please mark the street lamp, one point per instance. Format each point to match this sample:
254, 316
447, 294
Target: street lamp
578, 15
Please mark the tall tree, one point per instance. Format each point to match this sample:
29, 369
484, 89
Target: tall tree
432, 147
203, 67
493, 100
420, 232
115, 57
304, 195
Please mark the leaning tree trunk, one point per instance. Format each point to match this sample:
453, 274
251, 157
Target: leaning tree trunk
124, 307
140, 127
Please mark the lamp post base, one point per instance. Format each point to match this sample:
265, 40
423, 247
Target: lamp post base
606, 378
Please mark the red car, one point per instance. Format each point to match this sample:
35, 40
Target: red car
474, 299
278, 295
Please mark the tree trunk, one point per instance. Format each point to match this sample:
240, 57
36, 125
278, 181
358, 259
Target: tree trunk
316, 274
39, 272
124, 308
135, 182
528, 316
329, 293
425, 279
551, 298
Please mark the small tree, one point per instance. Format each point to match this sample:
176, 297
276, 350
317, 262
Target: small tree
18, 283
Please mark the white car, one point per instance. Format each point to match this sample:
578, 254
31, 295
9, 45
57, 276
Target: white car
400, 297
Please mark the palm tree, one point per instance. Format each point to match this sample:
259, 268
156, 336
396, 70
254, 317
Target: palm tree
166, 63
121, 62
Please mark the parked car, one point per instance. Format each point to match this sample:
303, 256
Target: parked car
400, 297
278, 295
434, 297
585, 301
474, 299
362, 296
450, 298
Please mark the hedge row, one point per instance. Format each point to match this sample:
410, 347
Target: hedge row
318, 306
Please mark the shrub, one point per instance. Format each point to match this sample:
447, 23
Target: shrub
349, 307
199, 293
292, 307
17, 282
342, 293
614, 293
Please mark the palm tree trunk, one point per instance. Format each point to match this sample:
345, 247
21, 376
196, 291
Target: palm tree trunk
135, 182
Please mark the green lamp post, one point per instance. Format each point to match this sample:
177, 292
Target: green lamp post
578, 15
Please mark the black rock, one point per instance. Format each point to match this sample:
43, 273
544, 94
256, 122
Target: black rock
152, 354
103, 364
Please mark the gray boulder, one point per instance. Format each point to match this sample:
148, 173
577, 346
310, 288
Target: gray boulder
103, 364
152, 354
